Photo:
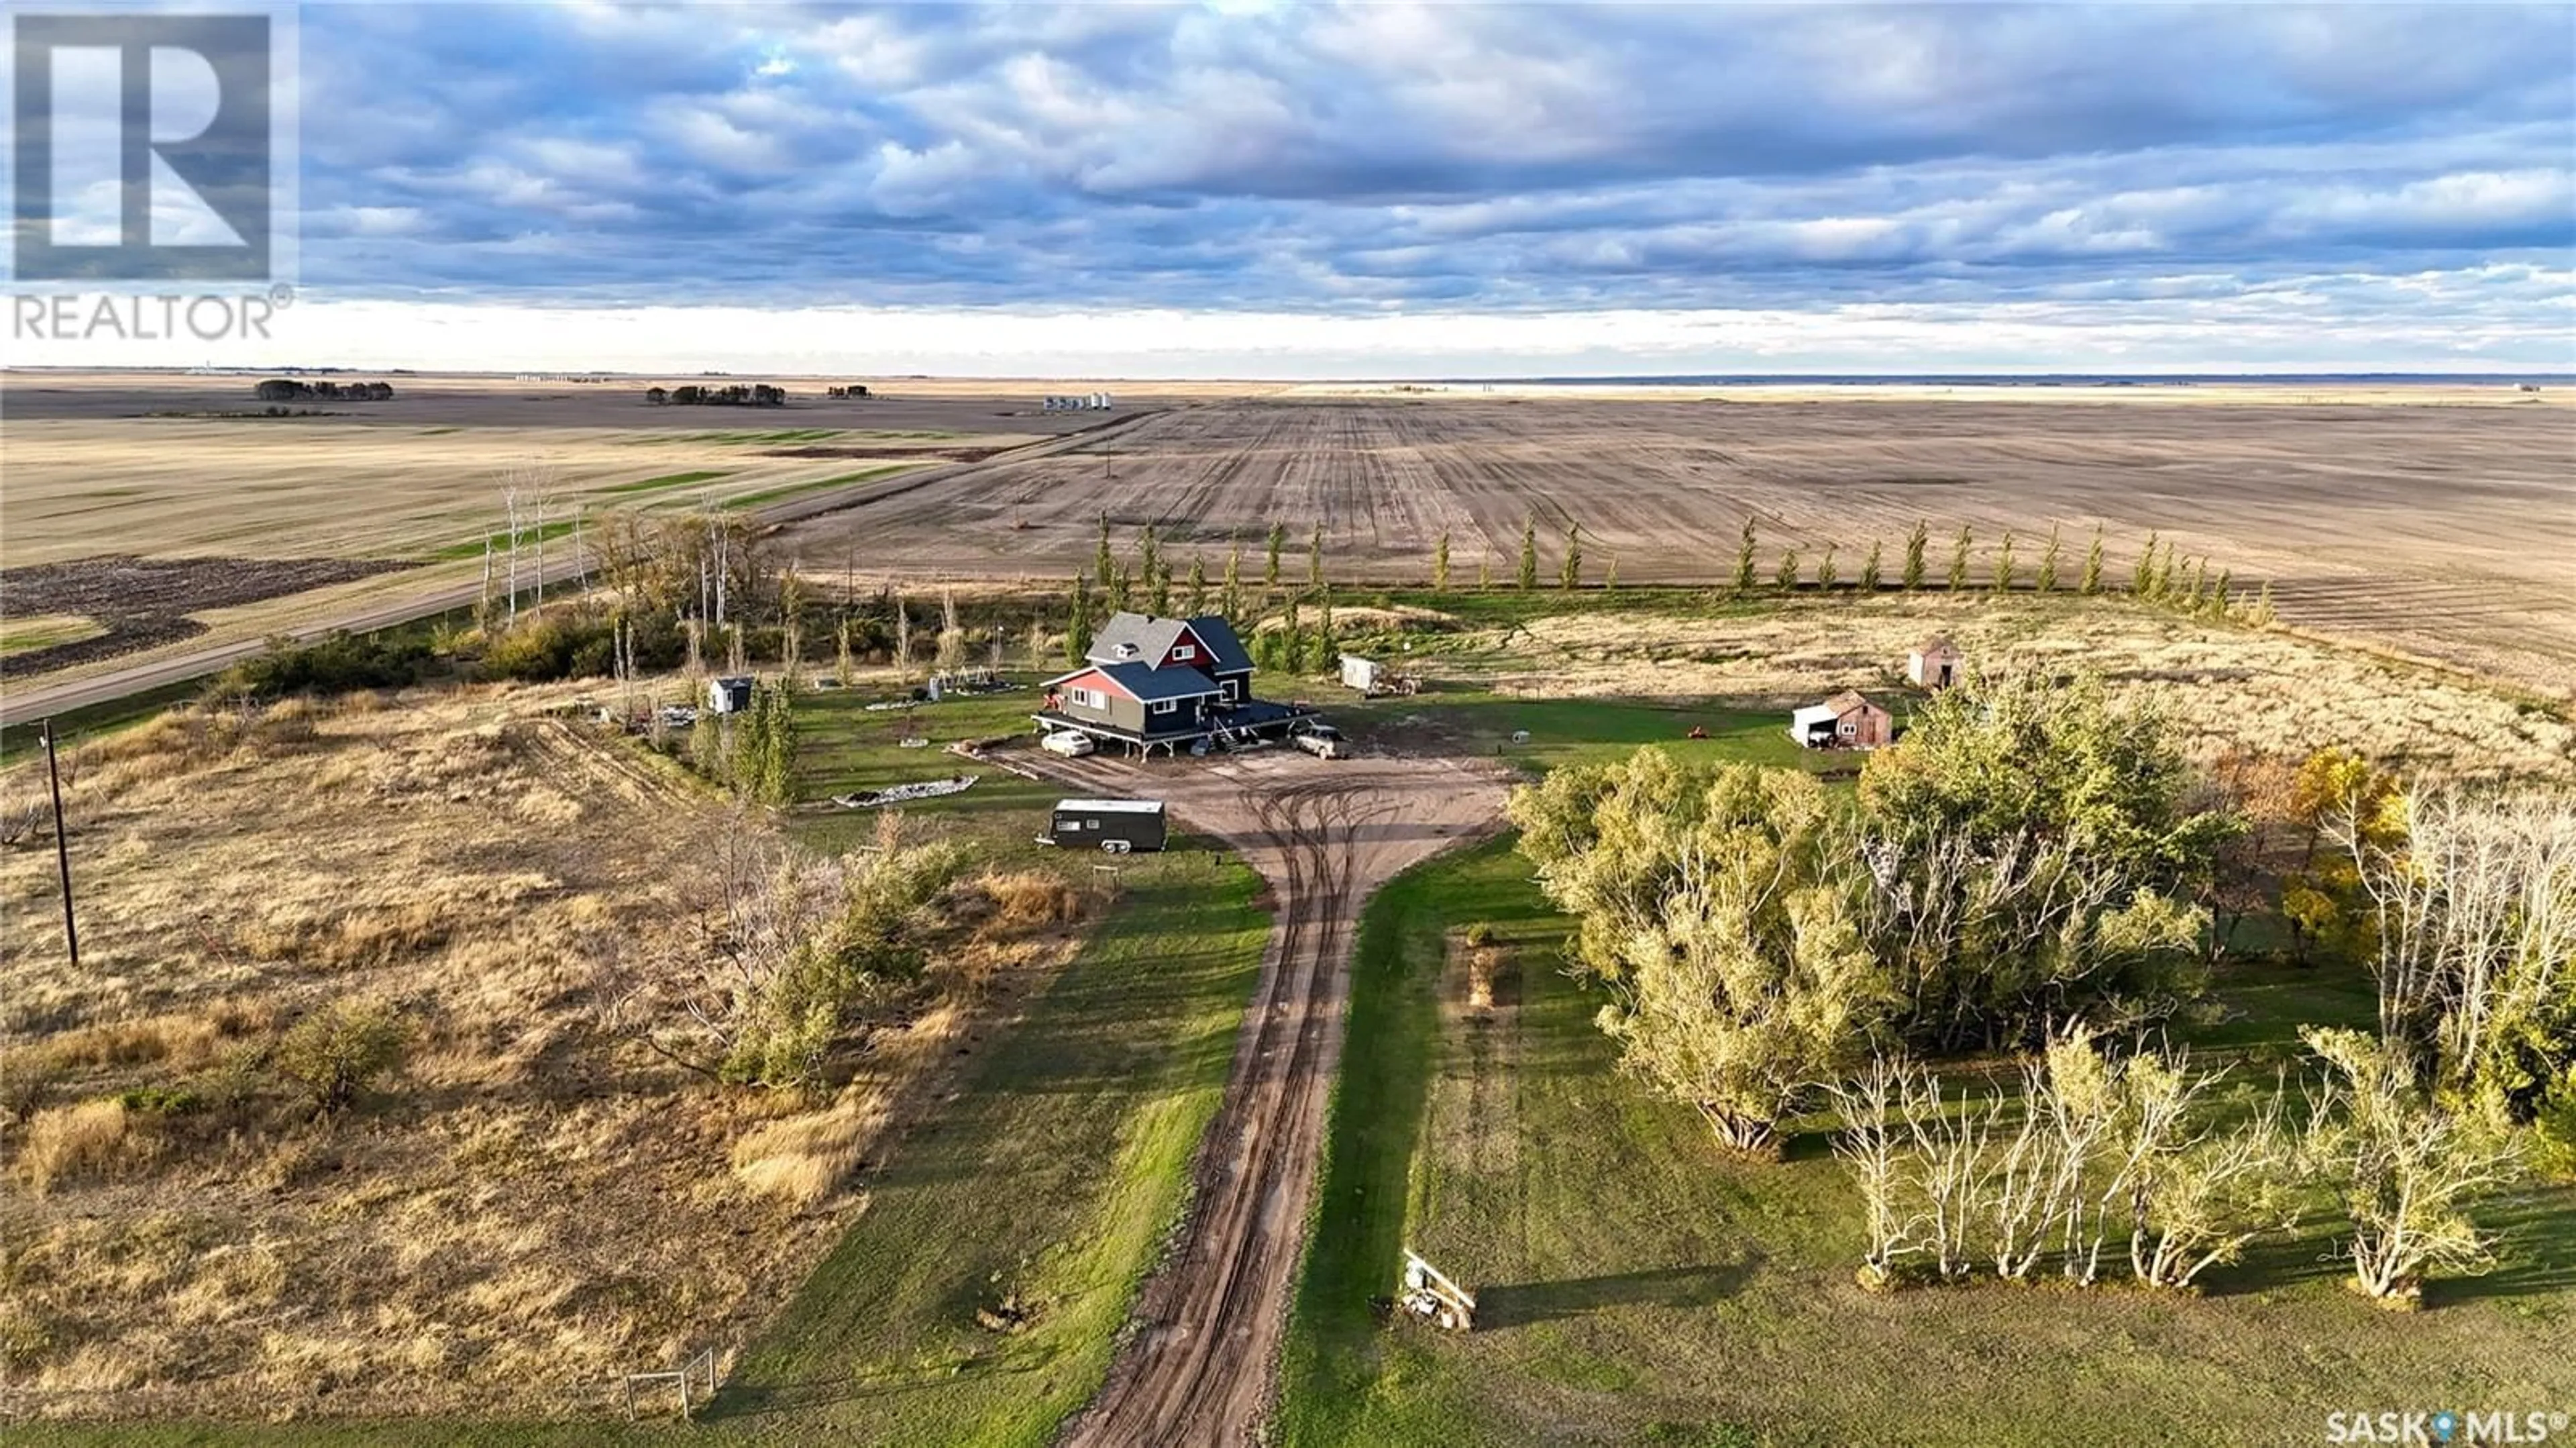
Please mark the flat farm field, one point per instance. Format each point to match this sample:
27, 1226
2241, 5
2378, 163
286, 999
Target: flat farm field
144, 514
2440, 527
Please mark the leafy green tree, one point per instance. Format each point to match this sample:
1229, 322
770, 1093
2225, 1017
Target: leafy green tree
1440, 564
1959, 561
1104, 563
1315, 557
2033, 850
1569, 572
1718, 894
1784, 576
1234, 581
1149, 557
1870, 575
2407, 1170
2263, 614
1077, 629
1529, 554
2047, 580
2341, 808
2222, 603
2005, 572
2142, 579
1915, 542
1826, 577
1484, 574
707, 753
2472, 900
810, 954
764, 747
1270, 560
2092, 583
1198, 586
1744, 559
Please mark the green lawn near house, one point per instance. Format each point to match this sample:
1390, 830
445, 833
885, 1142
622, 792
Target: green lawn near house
1636, 1286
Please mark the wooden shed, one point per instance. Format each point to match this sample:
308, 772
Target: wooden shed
1938, 664
1845, 721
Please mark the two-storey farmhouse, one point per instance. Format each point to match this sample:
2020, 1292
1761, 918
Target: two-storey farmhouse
1164, 683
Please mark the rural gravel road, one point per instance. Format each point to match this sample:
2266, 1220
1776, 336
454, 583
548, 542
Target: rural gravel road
24, 704
1202, 1364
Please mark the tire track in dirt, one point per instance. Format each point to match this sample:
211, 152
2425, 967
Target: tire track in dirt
1201, 1363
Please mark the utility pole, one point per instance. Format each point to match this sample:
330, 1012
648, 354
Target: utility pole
62, 847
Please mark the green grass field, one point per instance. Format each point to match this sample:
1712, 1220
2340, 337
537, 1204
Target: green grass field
1637, 1287
793, 490
671, 480
842, 746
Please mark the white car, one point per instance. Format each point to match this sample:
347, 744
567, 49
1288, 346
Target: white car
1071, 743
1323, 741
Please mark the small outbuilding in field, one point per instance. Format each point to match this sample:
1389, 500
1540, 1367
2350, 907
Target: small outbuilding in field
1373, 678
1937, 664
729, 695
1845, 721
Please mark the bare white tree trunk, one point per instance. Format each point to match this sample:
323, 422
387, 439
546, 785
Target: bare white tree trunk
1872, 1148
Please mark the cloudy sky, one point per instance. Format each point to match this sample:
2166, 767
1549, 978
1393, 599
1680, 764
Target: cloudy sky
1387, 189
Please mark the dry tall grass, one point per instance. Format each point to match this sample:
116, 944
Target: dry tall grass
2223, 685
526, 1203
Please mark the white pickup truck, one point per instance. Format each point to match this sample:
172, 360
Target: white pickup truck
1322, 741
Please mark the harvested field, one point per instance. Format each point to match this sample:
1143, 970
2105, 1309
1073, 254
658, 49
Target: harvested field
2440, 530
138, 603
2223, 686
168, 467
531, 1202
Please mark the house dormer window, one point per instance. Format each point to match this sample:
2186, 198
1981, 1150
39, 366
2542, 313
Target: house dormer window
1126, 651
1185, 651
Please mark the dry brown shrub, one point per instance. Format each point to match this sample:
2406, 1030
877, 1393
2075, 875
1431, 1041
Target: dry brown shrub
1028, 899
183, 1042
25, 1334
66, 1143
232, 1280
96, 1366
800, 1159
1363, 618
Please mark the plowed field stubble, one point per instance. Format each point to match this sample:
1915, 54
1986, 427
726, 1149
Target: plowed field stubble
2443, 530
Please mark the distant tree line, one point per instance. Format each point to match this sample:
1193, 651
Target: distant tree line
288, 389
691, 394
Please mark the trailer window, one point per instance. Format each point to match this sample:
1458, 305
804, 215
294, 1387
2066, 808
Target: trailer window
1164, 706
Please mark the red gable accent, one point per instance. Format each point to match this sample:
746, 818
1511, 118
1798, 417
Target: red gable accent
1089, 679
1198, 658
